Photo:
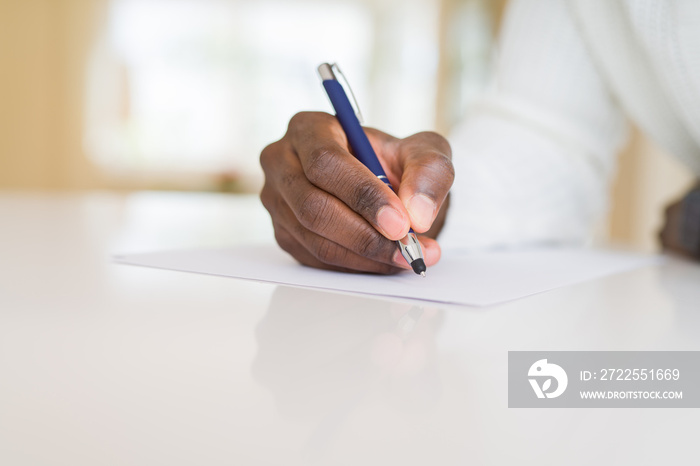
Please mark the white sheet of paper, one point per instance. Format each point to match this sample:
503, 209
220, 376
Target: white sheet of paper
475, 279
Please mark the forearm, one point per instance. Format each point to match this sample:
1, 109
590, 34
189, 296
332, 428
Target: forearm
534, 158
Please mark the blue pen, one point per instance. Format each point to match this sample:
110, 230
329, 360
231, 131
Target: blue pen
344, 111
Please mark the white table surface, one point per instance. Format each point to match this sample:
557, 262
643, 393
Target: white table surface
105, 364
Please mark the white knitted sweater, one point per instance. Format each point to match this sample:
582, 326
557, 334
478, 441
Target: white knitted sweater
535, 157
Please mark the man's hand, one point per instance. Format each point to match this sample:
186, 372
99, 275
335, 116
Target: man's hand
681, 230
329, 211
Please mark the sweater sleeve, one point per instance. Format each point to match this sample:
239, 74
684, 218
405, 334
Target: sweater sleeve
534, 157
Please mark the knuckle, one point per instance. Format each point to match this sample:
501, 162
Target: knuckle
266, 156
328, 252
372, 245
298, 120
271, 155
266, 197
321, 164
288, 179
367, 198
446, 168
285, 240
312, 210
439, 167
302, 119
437, 141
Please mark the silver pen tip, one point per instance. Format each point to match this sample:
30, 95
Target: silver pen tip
422, 274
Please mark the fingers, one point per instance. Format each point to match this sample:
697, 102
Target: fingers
329, 211
431, 253
335, 258
427, 175
321, 147
320, 212
318, 251
316, 228
363, 250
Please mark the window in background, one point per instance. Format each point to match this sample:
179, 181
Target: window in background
467, 49
199, 87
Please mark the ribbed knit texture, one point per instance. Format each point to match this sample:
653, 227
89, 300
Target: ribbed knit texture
535, 156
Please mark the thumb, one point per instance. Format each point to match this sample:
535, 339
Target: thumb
426, 178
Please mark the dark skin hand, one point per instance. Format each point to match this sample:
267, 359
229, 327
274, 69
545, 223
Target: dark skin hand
329, 211
671, 233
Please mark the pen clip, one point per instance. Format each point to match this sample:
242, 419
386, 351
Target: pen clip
345, 83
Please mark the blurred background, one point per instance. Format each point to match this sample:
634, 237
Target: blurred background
182, 95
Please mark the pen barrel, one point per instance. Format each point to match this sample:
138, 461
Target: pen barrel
353, 129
